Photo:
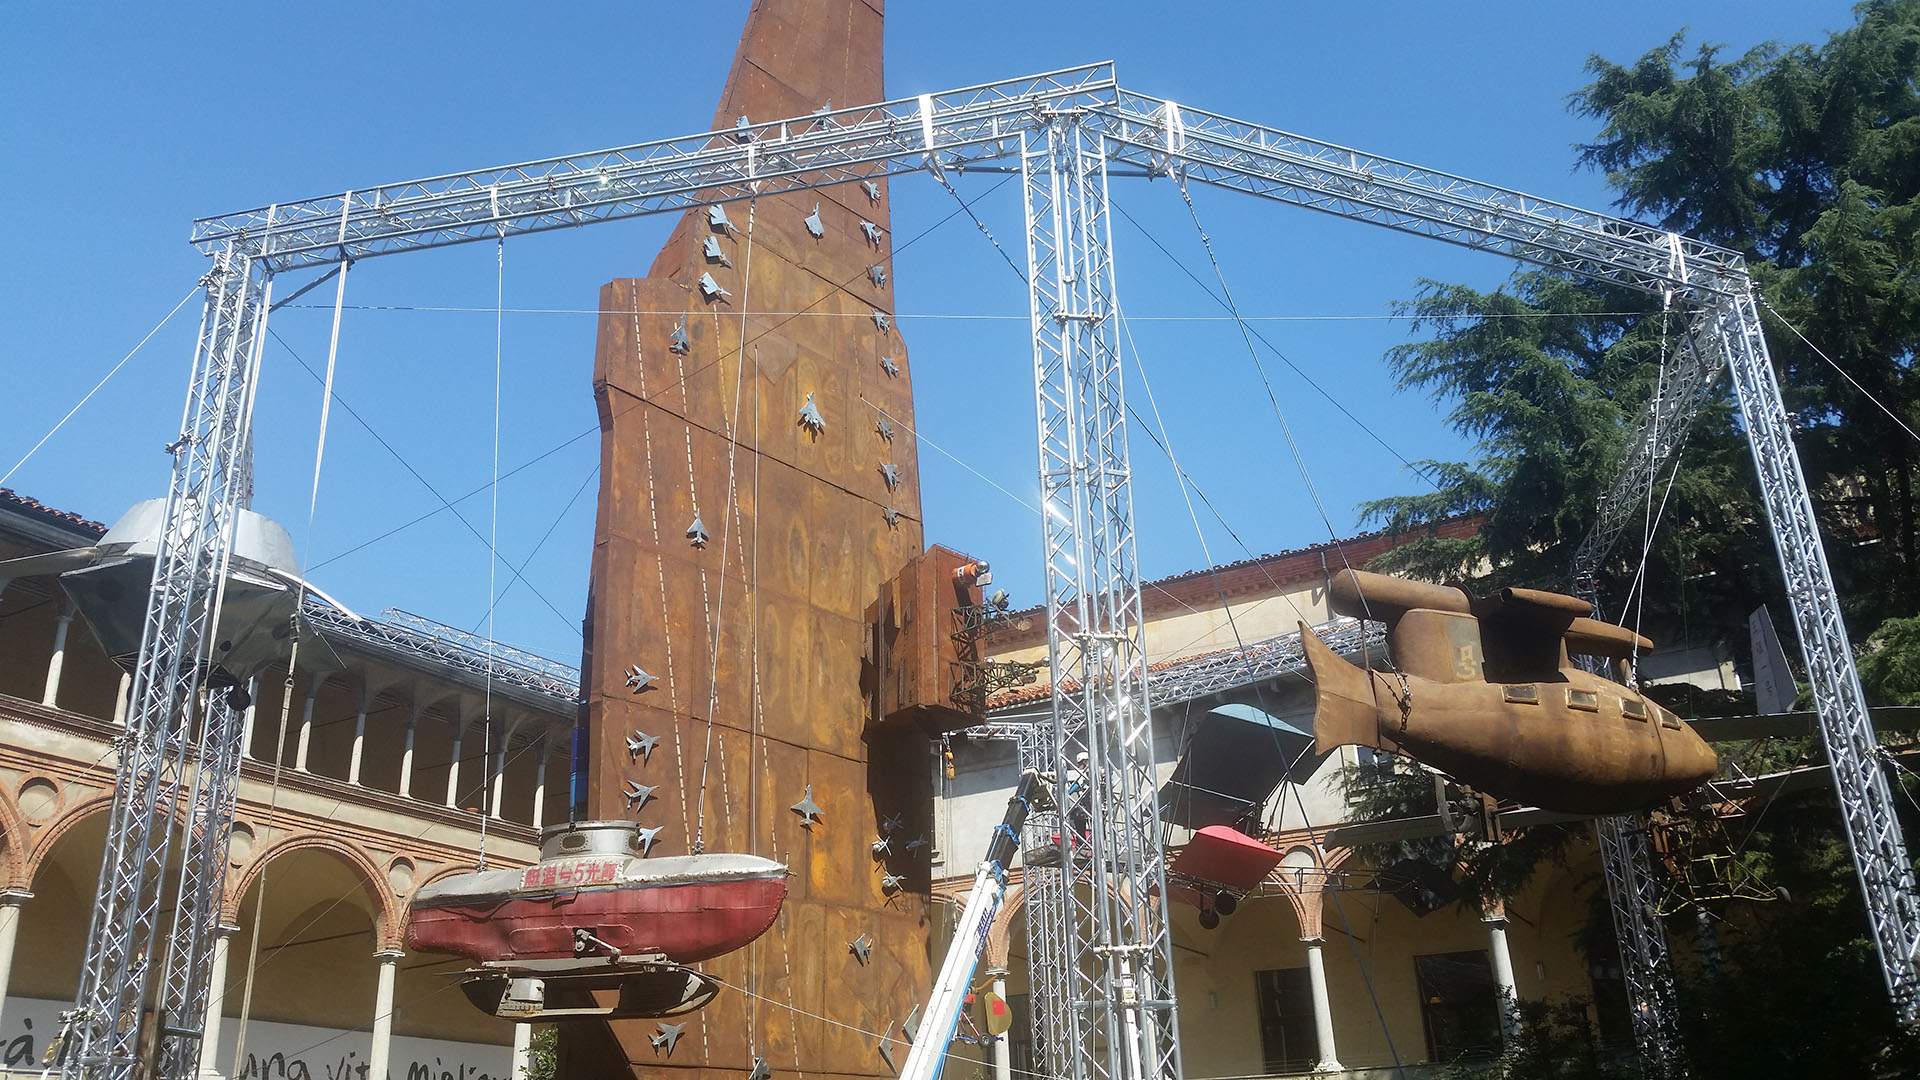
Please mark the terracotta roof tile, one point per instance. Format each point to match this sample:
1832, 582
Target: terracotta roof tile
13, 500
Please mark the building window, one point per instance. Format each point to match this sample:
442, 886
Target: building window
1020, 1036
1458, 1004
1286, 1019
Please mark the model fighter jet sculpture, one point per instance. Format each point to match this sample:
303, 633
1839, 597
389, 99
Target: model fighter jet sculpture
1482, 688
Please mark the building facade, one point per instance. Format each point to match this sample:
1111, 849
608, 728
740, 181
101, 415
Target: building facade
1323, 968
362, 781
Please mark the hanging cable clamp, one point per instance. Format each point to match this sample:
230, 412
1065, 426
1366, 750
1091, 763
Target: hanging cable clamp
185, 440
1176, 131
926, 133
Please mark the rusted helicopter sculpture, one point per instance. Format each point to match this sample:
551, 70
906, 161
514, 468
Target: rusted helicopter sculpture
1482, 688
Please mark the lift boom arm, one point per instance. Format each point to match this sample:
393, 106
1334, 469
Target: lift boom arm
949, 995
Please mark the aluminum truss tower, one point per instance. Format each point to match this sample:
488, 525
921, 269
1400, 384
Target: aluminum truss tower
1064, 127
1117, 1009
159, 784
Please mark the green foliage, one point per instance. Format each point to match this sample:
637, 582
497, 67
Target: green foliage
1890, 663
1481, 873
1797, 991
1551, 1041
1549, 374
543, 1059
1807, 159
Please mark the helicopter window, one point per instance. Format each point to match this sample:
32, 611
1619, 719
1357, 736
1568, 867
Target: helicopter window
1584, 700
1633, 708
1523, 693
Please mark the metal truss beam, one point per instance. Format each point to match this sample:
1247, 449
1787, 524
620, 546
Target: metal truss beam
1110, 941
184, 985
1657, 435
425, 640
1272, 658
1160, 135
1642, 939
1873, 829
950, 129
1725, 331
1043, 889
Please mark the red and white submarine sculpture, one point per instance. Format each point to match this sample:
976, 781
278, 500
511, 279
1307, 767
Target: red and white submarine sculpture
594, 914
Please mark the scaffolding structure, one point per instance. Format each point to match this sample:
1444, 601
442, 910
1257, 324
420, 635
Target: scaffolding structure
1101, 953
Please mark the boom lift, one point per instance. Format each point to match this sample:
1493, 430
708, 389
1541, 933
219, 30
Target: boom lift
949, 994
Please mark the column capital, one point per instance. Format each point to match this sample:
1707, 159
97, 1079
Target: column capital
1496, 919
227, 929
14, 895
1313, 939
389, 955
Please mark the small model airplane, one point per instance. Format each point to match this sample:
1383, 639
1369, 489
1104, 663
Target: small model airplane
1483, 689
668, 1035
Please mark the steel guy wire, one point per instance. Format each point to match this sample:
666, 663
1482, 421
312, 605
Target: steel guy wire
96, 386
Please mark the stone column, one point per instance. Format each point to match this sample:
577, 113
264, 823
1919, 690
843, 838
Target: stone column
216, 1003
120, 702
522, 1043
453, 766
1329, 1060
359, 735
246, 717
1503, 983
1002, 1050
306, 727
61, 624
539, 782
405, 788
10, 901
500, 770
383, 1014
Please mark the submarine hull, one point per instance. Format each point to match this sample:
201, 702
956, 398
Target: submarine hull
682, 909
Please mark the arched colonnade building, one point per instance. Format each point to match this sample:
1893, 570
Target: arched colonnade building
387, 769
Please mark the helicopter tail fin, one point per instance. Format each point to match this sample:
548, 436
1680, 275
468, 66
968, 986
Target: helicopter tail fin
1343, 707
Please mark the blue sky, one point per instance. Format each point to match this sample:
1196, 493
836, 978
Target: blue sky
123, 123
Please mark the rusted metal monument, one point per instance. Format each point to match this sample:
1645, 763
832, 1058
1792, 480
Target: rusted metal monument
750, 509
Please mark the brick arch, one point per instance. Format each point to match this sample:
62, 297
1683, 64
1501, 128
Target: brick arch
386, 916
445, 869
1000, 934
14, 842
66, 822
1309, 898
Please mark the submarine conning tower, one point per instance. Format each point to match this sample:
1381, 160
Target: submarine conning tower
1439, 632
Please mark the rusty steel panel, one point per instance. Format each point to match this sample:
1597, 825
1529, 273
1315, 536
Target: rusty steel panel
757, 640
915, 656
